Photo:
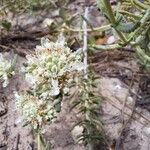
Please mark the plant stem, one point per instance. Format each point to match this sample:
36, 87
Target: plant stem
100, 29
112, 19
109, 11
85, 42
107, 47
129, 14
90, 144
139, 4
38, 142
142, 53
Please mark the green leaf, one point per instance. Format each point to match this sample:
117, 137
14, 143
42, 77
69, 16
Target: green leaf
6, 24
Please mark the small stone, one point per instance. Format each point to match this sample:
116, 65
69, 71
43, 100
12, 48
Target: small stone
47, 22
76, 132
111, 40
147, 130
18, 121
130, 100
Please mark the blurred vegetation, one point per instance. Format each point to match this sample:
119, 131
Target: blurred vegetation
22, 6
26, 5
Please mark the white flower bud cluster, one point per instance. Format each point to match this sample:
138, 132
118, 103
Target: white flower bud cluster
36, 112
49, 71
6, 70
52, 67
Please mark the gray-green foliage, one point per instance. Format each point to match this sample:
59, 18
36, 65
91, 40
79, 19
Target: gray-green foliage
131, 21
88, 104
5, 24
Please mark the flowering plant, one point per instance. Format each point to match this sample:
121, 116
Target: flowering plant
35, 111
6, 70
50, 72
52, 68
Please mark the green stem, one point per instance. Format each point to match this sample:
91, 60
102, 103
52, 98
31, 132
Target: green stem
139, 4
39, 146
129, 14
100, 29
142, 53
109, 11
41, 143
107, 47
90, 144
112, 19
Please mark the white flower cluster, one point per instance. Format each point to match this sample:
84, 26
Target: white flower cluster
52, 67
49, 71
6, 70
35, 111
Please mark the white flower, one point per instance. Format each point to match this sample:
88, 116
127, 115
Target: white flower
35, 111
49, 71
47, 22
66, 90
6, 70
55, 88
30, 79
51, 66
78, 67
